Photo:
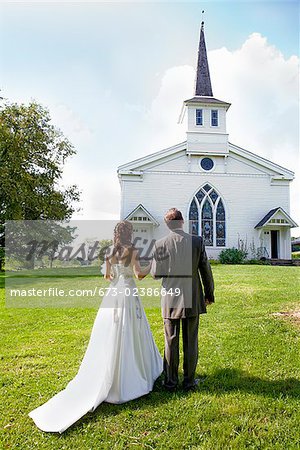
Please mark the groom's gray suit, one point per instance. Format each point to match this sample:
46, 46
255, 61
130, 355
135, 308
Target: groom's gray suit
179, 259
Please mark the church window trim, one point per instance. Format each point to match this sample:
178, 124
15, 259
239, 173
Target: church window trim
205, 195
214, 118
199, 117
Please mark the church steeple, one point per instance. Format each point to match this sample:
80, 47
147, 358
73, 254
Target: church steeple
206, 133
203, 83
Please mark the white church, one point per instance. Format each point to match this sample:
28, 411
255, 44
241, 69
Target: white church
227, 194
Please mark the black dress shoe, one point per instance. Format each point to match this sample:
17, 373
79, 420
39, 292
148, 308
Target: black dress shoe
192, 386
169, 388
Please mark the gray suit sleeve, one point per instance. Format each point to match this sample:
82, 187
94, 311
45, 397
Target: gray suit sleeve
206, 274
154, 271
158, 266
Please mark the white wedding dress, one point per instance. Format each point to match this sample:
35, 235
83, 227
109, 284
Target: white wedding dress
121, 361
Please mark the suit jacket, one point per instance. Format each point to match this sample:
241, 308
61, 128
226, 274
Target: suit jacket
180, 259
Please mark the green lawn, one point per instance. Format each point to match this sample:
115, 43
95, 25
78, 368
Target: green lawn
249, 363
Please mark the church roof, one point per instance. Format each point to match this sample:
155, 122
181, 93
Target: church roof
152, 157
271, 213
203, 83
282, 172
268, 216
133, 215
138, 166
205, 99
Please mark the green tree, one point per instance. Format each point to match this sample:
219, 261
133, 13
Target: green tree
32, 157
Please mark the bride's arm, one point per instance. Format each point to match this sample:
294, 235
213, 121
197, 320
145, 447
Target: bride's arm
108, 275
139, 272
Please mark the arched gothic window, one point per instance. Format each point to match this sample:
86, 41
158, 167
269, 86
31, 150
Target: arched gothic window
207, 217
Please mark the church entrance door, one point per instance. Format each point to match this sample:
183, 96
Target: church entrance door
274, 244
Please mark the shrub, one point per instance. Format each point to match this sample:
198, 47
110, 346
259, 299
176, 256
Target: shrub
232, 256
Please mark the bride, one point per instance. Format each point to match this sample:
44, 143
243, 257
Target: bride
121, 361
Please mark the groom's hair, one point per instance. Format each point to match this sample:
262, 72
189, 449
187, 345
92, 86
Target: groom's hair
172, 218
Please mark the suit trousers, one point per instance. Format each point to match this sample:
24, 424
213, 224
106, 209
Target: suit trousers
190, 327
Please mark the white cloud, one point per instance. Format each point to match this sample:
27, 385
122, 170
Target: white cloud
72, 125
262, 87
162, 117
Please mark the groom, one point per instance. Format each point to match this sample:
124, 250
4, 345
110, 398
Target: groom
180, 259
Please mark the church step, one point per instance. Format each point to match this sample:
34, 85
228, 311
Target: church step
285, 262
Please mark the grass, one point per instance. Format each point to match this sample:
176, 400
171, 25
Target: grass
249, 365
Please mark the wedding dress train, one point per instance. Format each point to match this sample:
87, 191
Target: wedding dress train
121, 362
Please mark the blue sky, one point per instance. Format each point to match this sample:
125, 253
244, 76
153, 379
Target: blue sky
100, 67
51, 41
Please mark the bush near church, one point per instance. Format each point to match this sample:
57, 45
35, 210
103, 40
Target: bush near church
232, 256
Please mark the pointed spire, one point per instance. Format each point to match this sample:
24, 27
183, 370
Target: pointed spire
203, 84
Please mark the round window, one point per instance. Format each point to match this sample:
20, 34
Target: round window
207, 163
